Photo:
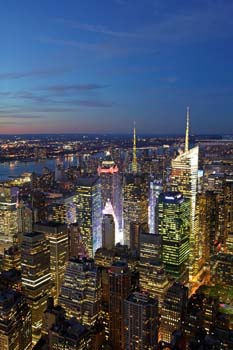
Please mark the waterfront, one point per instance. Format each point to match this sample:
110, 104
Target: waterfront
13, 169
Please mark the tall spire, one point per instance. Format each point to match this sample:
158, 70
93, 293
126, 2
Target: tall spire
186, 148
134, 162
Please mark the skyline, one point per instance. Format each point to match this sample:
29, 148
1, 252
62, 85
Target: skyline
95, 68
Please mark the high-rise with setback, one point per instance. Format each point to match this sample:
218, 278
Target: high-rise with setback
184, 179
135, 203
57, 236
15, 321
89, 213
36, 277
81, 291
120, 288
174, 227
141, 322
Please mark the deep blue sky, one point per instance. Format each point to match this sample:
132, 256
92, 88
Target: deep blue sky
97, 65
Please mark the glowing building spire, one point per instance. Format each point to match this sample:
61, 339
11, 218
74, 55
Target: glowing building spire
186, 148
134, 162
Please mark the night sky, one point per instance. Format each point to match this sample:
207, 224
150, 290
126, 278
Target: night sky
98, 65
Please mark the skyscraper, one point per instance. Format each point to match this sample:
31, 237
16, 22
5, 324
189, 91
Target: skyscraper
135, 203
15, 321
174, 311
75, 244
108, 231
69, 334
57, 236
81, 291
156, 187
111, 187
89, 213
184, 179
152, 275
141, 322
173, 217
120, 287
220, 198
36, 278
63, 210
8, 216
206, 213
24, 220
12, 258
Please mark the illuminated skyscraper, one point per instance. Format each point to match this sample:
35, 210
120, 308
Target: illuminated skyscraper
135, 230
81, 291
111, 187
57, 236
120, 286
12, 259
15, 322
207, 216
24, 220
153, 278
184, 179
108, 231
8, 216
89, 213
173, 216
36, 277
228, 198
135, 203
174, 311
63, 210
141, 322
75, 244
221, 187
156, 187
69, 335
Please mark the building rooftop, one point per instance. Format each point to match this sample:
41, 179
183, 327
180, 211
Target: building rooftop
87, 181
70, 329
9, 298
171, 197
142, 299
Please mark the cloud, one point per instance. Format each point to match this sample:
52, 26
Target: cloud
121, 2
33, 73
100, 29
7, 93
170, 79
196, 22
51, 97
106, 48
14, 109
93, 104
11, 123
62, 89
17, 116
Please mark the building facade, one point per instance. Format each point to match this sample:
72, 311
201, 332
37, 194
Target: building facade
36, 277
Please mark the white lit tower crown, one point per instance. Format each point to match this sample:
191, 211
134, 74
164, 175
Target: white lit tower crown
184, 178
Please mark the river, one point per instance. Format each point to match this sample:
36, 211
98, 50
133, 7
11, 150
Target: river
12, 169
